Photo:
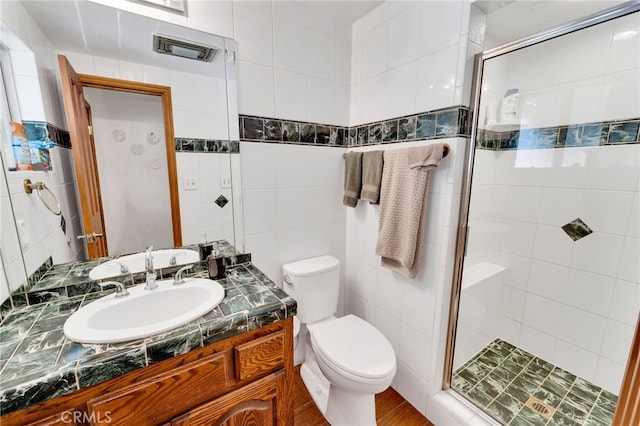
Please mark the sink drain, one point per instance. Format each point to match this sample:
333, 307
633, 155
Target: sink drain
540, 407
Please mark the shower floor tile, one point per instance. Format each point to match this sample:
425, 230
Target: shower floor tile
514, 387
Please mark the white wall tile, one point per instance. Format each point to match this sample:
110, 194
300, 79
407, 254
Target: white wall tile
616, 170
291, 208
401, 90
548, 280
633, 228
258, 165
439, 26
374, 48
617, 342
321, 21
552, 245
290, 95
404, 31
629, 265
437, 79
582, 50
389, 294
261, 248
609, 375
559, 206
260, 213
321, 55
375, 18
390, 326
212, 17
413, 387
254, 33
542, 314
256, 90
598, 253
290, 166
625, 302
523, 203
582, 328
415, 348
293, 11
343, 61
590, 292
537, 342
320, 100
106, 67
607, 211
575, 360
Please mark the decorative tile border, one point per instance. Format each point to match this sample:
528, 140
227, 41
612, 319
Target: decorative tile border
444, 123
614, 132
207, 145
59, 136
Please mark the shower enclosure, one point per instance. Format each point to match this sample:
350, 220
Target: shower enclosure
549, 290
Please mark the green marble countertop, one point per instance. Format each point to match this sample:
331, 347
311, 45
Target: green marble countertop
38, 363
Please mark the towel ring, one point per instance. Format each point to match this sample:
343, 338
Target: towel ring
46, 196
445, 150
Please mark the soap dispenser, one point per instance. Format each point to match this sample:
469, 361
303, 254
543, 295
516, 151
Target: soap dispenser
216, 263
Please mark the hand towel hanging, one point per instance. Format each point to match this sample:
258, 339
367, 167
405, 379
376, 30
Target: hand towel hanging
372, 162
405, 180
352, 178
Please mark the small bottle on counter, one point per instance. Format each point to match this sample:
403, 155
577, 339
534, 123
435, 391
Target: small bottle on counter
217, 264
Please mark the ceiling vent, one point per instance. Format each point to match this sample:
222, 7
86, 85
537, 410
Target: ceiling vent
183, 48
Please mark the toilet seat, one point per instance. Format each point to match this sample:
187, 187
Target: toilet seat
353, 346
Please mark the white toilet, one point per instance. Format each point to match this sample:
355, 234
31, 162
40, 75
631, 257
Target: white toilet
346, 360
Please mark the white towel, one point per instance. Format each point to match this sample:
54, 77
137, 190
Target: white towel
405, 179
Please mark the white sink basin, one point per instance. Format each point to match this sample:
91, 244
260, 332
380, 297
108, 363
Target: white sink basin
135, 262
143, 312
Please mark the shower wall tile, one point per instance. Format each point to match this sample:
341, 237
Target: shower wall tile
570, 287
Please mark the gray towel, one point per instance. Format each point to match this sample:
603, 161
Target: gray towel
352, 178
405, 180
371, 176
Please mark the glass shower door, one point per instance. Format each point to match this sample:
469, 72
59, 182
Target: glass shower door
550, 289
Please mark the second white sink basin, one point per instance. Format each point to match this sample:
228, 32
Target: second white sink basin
134, 263
143, 312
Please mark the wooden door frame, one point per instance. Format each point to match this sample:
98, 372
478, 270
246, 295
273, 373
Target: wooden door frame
164, 92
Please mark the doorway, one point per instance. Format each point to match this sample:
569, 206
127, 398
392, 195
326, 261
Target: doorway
126, 205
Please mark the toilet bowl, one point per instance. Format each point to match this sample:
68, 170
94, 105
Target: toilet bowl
346, 360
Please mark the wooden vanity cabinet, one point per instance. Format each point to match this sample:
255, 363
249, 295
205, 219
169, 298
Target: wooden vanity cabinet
244, 380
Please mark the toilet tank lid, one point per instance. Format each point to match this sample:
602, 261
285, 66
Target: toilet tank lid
315, 265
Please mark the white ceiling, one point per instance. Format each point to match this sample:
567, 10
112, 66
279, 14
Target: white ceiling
91, 28
512, 20
95, 29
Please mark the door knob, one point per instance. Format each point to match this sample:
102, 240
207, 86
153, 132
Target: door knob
89, 237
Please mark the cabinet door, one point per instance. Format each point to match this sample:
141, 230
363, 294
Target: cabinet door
71, 417
159, 399
255, 404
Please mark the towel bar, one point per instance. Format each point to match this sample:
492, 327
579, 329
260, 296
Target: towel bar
445, 150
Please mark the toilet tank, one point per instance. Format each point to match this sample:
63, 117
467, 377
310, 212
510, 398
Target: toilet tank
314, 283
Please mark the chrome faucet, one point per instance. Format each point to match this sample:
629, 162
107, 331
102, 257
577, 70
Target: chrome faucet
151, 273
121, 290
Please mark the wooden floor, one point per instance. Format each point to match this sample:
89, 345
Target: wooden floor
391, 408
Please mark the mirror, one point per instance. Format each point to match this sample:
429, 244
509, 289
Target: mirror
102, 41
